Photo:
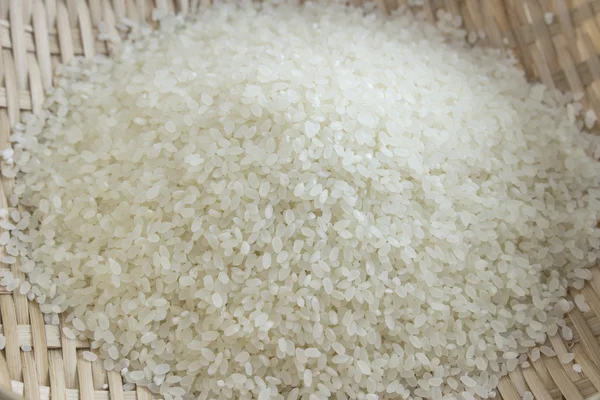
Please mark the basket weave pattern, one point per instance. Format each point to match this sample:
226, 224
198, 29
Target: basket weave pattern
36, 35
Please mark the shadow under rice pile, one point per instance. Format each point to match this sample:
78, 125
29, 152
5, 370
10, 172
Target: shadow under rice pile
271, 201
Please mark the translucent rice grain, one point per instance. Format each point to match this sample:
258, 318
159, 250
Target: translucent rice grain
581, 303
307, 378
566, 358
547, 351
136, 375
68, 333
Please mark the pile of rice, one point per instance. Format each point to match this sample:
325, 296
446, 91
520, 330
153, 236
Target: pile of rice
279, 202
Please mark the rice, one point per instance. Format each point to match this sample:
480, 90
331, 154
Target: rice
581, 303
276, 201
89, 356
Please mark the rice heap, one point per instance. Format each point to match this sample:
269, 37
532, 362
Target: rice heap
279, 202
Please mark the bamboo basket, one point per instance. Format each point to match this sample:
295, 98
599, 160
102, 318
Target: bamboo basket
36, 35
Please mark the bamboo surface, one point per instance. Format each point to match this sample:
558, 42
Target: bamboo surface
556, 41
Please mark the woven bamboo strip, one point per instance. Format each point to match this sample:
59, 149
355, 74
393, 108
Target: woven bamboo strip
36, 35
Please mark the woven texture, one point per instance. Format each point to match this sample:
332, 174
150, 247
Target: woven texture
35, 35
